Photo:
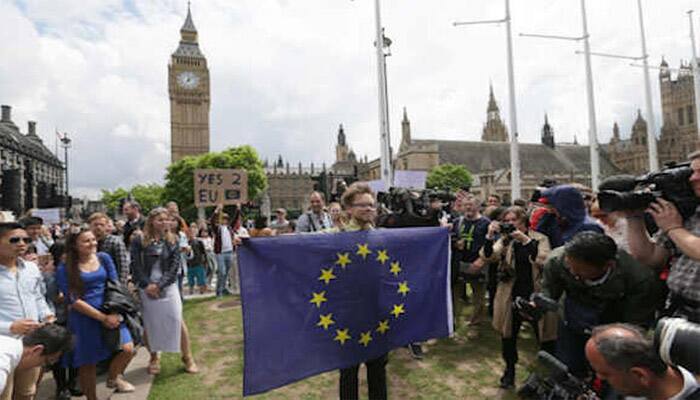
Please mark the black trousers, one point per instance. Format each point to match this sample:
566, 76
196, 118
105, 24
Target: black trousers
509, 346
376, 380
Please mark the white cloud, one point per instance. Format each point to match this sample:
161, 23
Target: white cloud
285, 73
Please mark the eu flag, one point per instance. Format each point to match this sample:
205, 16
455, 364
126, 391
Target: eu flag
319, 302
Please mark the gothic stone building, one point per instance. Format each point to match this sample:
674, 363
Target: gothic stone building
188, 86
489, 159
679, 131
32, 176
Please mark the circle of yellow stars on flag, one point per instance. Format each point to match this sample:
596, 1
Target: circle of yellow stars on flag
341, 334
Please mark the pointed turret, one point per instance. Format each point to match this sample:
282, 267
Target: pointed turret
341, 146
547, 133
639, 130
188, 26
189, 46
341, 135
616, 132
405, 131
664, 71
493, 107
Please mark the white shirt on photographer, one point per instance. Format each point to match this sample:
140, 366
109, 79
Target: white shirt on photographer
690, 384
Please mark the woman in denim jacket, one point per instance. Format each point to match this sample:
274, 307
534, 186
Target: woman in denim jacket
155, 262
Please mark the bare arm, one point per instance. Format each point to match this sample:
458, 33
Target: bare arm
641, 246
686, 242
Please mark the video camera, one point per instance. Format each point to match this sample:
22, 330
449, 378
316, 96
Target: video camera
542, 305
551, 380
626, 192
408, 207
677, 343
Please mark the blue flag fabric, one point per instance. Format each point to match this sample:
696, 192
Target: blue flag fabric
319, 302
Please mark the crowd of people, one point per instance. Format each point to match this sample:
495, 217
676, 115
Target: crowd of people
95, 292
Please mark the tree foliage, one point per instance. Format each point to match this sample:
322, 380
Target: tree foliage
148, 195
179, 182
448, 176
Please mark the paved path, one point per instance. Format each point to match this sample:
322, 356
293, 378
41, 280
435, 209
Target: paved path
135, 373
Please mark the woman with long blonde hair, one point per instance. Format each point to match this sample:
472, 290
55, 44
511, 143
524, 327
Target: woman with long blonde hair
155, 263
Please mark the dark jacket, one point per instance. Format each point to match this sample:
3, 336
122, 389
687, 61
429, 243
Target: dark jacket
573, 217
131, 226
216, 227
627, 295
118, 300
143, 258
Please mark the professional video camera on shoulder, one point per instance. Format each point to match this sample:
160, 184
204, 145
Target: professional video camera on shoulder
408, 207
628, 193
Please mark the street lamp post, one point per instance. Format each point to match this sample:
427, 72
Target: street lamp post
515, 186
66, 144
592, 128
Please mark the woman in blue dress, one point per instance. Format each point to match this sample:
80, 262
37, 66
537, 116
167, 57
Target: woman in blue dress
82, 280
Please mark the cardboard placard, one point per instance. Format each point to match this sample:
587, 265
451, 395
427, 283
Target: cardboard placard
220, 186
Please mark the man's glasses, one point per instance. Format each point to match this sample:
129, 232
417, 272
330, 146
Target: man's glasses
17, 239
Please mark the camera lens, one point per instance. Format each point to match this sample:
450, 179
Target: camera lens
677, 341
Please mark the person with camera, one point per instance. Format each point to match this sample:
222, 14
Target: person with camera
621, 355
679, 241
602, 284
469, 233
520, 253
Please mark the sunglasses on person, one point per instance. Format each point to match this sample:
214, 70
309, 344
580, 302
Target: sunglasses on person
17, 239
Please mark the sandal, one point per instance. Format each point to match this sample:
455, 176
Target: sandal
120, 385
190, 365
154, 366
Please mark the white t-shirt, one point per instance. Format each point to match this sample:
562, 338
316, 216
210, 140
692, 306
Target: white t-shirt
10, 354
226, 242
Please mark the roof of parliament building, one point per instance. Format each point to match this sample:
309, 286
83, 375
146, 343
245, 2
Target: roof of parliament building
29, 144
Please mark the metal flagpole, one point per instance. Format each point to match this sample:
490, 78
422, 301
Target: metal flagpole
592, 128
385, 154
696, 71
514, 153
515, 180
651, 119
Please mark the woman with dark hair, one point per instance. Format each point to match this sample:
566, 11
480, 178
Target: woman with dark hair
82, 279
520, 253
155, 263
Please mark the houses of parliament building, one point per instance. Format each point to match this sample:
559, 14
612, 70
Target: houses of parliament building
679, 130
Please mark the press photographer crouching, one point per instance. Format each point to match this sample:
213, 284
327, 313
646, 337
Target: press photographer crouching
678, 239
520, 254
602, 285
634, 366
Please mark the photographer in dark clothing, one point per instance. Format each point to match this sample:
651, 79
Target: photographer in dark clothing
602, 285
519, 253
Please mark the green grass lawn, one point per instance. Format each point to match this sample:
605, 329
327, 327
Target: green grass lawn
463, 369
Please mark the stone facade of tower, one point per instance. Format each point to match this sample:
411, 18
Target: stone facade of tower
494, 129
679, 132
631, 155
188, 86
341, 147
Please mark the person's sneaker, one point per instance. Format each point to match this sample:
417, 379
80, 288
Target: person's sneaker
120, 385
416, 351
63, 394
473, 334
508, 378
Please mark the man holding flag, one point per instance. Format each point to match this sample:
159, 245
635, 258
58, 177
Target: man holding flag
315, 303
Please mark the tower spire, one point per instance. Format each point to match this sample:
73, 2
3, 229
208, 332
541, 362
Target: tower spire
493, 107
188, 26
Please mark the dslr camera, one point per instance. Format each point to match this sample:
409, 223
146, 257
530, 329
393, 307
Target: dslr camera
534, 308
506, 228
626, 192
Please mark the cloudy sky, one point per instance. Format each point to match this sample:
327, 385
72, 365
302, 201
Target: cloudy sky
285, 73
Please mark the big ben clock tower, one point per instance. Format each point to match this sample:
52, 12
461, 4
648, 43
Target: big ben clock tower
188, 85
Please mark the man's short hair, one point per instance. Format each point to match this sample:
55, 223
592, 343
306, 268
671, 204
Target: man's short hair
132, 203
96, 216
31, 221
9, 226
53, 337
592, 248
496, 196
624, 352
353, 191
319, 195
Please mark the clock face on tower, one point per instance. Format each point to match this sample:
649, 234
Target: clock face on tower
187, 80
